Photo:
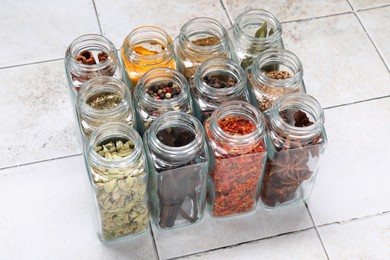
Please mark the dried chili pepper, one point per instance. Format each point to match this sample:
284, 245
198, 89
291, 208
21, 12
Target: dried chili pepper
236, 171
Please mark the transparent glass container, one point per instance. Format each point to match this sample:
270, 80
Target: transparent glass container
200, 39
119, 185
247, 45
145, 48
149, 108
95, 46
219, 73
296, 143
101, 100
237, 159
178, 162
274, 73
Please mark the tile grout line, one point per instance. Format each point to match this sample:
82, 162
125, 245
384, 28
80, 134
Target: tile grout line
372, 41
41, 161
355, 219
244, 243
30, 63
372, 8
154, 240
226, 12
357, 102
97, 17
318, 233
316, 17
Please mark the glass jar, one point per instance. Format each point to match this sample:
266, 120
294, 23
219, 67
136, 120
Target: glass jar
116, 166
200, 39
216, 81
236, 136
297, 141
89, 56
101, 100
253, 32
149, 106
147, 47
178, 162
274, 73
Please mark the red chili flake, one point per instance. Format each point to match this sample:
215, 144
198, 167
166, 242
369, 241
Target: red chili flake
236, 172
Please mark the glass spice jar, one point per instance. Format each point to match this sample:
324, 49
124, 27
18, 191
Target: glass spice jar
253, 32
101, 100
200, 39
147, 47
116, 165
216, 81
158, 91
178, 162
89, 56
296, 142
238, 152
274, 73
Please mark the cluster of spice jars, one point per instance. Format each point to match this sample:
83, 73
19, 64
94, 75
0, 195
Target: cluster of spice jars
216, 116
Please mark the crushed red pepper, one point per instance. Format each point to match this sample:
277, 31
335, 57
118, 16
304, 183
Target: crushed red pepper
236, 172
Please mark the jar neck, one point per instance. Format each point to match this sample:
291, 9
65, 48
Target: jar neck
152, 35
157, 75
112, 132
240, 109
98, 86
93, 43
280, 60
290, 104
176, 155
203, 27
249, 22
215, 66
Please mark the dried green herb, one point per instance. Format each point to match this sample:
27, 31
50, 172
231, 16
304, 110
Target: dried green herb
262, 32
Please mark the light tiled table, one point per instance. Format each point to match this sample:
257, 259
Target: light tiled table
44, 192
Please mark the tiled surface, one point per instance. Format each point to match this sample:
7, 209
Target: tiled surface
46, 214
336, 70
302, 245
360, 239
120, 18
364, 4
379, 29
215, 233
38, 117
33, 31
45, 196
288, 10
356, 166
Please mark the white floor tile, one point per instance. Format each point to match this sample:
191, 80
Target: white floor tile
34, 31
358, 239
354, 176
376, 22
362, 4
120, 18
339, 61
288, 10
302, 245
46, 214
38, 120
213, 233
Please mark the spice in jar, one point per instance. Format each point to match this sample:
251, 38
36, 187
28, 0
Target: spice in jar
265, 94
178, 185
236, 172
120, 192
87, 57
163, 90
290, 165
220, 80
107, 100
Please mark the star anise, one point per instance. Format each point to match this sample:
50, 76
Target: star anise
290, 164
301, 119
85, 57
